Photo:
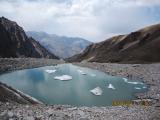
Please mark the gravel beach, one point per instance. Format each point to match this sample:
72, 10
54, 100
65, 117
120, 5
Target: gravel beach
11, 64
148, 73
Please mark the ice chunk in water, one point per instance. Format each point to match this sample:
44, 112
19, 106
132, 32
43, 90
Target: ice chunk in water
111, 86
126, 80
56, 67
97, 91
50, 71
137, 88
63, 77
93, 75
134, 83
83, 73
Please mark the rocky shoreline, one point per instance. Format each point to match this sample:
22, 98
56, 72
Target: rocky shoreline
11, 64
8, 94
149, 73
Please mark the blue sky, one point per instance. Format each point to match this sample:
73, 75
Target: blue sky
94, 20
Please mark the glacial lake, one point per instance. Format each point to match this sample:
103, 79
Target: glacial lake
43, 84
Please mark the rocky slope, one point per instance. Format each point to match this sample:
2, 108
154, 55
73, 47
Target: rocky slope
137, 47
15, 43
61, 46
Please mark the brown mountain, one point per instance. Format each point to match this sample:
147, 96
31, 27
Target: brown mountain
137, 47
15, 43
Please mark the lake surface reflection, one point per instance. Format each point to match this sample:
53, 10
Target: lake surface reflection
41, 84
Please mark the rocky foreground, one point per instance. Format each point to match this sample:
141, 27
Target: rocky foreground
148, 73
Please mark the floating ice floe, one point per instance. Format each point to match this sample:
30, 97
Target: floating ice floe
56, 66
126, 80
144, 87
93, 75
137, 88
135, 83
111, 86
80, 71
97, 91
63, 77
50, 71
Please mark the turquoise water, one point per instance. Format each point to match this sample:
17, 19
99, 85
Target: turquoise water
42, 85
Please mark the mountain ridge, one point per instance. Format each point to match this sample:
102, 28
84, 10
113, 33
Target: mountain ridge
140, 46
62, 46
15, 43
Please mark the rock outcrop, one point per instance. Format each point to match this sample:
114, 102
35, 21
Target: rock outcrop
15, 43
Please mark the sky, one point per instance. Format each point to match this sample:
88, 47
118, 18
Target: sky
95, 20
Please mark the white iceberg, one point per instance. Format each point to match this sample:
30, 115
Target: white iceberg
111, 86
133, 83
126, 80
63, 77
137, 88
56, 66
50, 71
97, 91
80, 71
93, 75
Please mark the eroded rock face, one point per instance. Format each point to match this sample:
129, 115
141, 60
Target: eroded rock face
15, 43
137, 47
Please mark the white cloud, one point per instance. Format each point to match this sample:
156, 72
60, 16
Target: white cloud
92, 19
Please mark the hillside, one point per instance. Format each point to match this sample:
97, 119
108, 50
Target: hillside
140, 46
15, 43
61, 46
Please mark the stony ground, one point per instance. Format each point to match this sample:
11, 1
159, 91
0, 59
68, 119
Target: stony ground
149, 73
11, 64
57, 112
